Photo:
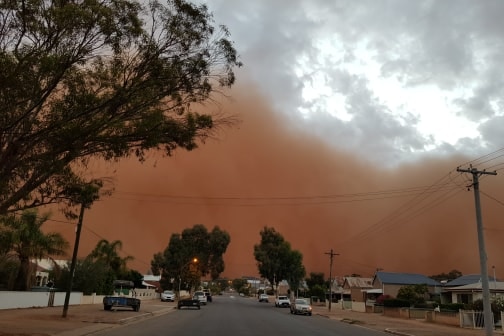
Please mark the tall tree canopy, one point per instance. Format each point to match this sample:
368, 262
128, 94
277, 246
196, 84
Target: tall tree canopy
276, 261
23, 237
101, 78
191, 255
108, 253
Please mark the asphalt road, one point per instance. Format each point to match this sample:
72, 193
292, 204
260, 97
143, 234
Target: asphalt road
231, 315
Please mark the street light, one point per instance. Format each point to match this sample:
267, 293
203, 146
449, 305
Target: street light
193, 261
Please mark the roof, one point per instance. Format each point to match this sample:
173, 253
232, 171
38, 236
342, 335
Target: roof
405, 279
493, 286
151, 284
358, 282
466, 280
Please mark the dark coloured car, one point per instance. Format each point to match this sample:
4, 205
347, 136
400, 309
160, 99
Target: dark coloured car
208, 296
119, 299
263, 298
188, 303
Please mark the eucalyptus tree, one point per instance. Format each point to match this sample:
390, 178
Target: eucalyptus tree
190, 255
25, 240
276, 261
102, 79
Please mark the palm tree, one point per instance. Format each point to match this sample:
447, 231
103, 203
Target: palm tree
108, 253
26, 241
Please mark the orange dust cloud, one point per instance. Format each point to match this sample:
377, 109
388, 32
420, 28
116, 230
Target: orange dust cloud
267, 172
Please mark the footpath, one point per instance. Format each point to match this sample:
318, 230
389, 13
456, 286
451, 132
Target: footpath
89, 319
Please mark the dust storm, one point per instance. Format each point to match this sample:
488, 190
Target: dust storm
266, 171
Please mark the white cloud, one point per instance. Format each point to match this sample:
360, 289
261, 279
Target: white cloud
415, 76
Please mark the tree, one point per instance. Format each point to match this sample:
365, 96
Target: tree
316, 278
452, 275
296, 271
240, 285
275, 259
89, 277
108, 253
102, 79
177, 263
414, 294
25, 240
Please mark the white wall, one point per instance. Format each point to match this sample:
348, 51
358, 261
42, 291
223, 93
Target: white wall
11, 299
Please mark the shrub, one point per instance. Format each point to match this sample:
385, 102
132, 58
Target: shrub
381, 298
451, 306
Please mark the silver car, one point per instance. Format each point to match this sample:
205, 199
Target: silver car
301, 306
168, 295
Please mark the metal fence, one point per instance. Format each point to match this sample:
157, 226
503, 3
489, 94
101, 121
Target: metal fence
473, 319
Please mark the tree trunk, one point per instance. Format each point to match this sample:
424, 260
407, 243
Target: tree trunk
23, 277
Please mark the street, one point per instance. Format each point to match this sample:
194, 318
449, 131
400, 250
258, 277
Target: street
237, 316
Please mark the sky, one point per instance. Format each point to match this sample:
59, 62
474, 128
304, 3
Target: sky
354, 116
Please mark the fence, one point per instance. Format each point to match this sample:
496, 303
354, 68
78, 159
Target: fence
13, 299
473, 319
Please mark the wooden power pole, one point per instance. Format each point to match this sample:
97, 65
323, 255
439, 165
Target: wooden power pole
331, 255
487, 309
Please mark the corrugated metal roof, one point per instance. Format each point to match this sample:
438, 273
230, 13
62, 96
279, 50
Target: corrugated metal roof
405, 279
358, 282
466, 280
499, 286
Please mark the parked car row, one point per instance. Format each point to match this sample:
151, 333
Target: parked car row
298, 306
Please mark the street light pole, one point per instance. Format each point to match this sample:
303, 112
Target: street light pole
193, 261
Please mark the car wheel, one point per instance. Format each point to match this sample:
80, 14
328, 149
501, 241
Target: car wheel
107, 307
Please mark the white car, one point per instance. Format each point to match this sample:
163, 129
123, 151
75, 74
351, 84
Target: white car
282, 301
201, 297
168, 295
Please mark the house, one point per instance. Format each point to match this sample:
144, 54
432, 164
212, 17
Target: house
354, 286
468, 288
150, 281
467, 280
389, 283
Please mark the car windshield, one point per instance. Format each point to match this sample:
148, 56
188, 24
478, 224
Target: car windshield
282, 297
301, 301
168, 292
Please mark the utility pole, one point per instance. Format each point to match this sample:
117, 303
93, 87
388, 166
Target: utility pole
74, 261
331, 254
487, 310
84, 195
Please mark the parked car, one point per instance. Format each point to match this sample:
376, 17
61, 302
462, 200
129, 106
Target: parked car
263, 298
119, 299
168, 296
282, 301
201, 297
301, 306
189, 303
208, 295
